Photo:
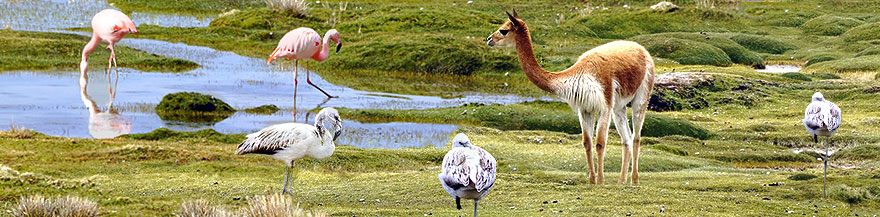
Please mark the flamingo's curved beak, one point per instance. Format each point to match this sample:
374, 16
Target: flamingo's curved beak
338, 46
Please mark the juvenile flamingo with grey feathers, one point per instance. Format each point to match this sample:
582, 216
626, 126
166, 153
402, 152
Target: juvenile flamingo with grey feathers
822, 118
467, 172
293, 141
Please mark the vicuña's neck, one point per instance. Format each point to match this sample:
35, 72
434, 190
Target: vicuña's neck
530, 66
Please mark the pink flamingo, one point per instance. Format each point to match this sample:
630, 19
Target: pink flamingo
304, 43
110, 26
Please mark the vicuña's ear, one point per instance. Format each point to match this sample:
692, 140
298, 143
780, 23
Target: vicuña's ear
512, 19
514, 13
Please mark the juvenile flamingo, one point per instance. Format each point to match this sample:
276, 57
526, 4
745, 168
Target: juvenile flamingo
293, 141
822, 118
304, 43
467, 172
109, 26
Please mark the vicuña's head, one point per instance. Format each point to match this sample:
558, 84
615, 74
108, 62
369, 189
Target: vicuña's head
461, 140
506, 34
818, 97
331, 115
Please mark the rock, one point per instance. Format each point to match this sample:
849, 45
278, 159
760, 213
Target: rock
679, 80
664, 6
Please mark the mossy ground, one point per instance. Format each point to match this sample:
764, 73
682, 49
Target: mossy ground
24, 50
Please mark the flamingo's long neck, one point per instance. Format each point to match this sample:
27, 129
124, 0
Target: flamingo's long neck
530, 66
325, 49
93, 43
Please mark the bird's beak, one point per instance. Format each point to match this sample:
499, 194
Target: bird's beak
338, 46
337, 134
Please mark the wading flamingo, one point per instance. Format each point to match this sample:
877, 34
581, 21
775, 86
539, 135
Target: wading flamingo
822, 118
604, 79
294, 141
109, 26
304, 43
467, 172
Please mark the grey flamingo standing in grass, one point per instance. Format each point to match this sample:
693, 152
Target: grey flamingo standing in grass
293, 141
109, 26
304, 43
603, 80
822, 118
467, 172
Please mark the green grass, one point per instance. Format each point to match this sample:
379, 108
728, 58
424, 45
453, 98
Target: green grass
659, 45
188, 6
829, 25
684, 51
855, 64
796, 76
56, 51
263, 109
868, 31
762, 44
193, 107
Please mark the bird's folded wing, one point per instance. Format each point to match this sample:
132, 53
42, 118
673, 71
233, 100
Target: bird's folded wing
271, 139
486, 177
456, 172
834, 121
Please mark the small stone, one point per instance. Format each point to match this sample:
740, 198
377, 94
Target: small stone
320, 204
545, 202
541, 210
236, 198
361, 200
765, 198
629, 214
554, 201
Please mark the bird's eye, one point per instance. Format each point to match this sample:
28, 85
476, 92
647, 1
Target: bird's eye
503, 31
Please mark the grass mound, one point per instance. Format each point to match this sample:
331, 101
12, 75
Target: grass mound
856, 64
802, 177
874, 50
796, 76
825, 75
37, 206
684, 51
263, 109
657, 125
57, 51
762, 44
422, 53
737, 53
167, 134
862, 152
421, 20
848, 194
267, 19
868, 31
629, 24
193, 107
829, 25
190, 6
820, 58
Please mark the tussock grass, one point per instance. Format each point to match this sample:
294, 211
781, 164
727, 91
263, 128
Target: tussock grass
829, 25
69, 206
796, 76
193, 107
622, 25
16, 132
762, 44
298, 8
201, 208
855, 64
263, 109
737, 53
276, 205
684, 51
867, 31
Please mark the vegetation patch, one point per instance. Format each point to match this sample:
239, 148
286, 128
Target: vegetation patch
802, 177
820, 58
190, 6
68, 206
825, 75
852, 195
873, 50
737, 53
641, 22
868, 31
193, 107
860, 153
167, 134
263, 109
658, 125
762, 44
684, 51
855, 64
671, 149
829, 25
58, 51
796, 76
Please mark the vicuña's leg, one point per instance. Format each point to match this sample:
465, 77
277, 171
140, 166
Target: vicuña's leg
622, 125
588, 121
601, 140
640, 106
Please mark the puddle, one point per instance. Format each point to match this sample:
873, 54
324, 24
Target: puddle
780, 69
52, 102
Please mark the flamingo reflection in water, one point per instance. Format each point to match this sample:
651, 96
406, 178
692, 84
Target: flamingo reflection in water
107, 123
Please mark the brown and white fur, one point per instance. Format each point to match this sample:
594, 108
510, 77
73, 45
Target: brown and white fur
603, 80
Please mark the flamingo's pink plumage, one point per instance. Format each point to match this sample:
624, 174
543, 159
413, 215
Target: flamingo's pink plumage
109, 26
304, 43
